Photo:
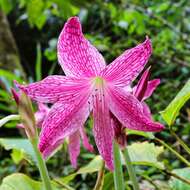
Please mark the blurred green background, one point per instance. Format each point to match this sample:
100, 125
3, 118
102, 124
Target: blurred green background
28, 35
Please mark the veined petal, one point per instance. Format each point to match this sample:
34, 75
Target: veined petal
76, 55
40, 115
129, 111
62, 121
85, 140
103, 131
55, 88
152, 85
127, 66
146, 110
74, 147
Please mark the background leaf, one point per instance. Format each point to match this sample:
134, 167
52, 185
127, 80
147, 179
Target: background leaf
93, 166
146, 154
172, 111
176, 184
19, 181
19, 145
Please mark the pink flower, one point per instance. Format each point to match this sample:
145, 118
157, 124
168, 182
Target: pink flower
90, 85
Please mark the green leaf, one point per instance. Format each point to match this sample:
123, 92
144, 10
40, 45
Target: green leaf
172, 111
108, 182
6, 5
10, 76
177, 184
148, 135
19, 181
146, 154
94, 166
17, 155
21, 145
36, 13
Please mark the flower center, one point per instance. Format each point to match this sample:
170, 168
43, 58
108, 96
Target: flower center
98, 81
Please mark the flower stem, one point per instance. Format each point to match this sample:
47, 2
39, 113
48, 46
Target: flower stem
41, 165
118, 172
173, 151
100, 179
181, 142
130, 169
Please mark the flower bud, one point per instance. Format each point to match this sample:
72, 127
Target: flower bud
142, 85
26, 113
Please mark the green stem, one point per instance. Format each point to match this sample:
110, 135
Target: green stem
9, 118
118, 172
181, 142
187, 181
174, 152
100, 180
130, 169
41, 165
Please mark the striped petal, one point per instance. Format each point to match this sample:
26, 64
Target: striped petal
85, 140
40, 115
76, 55
62, 121
129, 111
123, 70
103, 131
146, 110
151, 87
74, 147
55, 88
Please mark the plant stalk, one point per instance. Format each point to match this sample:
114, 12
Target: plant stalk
131, 170
174, 152
41, 165
181, 142
187, 181
100, 180
118, 172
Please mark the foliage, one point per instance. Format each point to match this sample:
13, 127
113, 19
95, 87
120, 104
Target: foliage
171, 112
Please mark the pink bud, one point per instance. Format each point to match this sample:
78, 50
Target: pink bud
16, 95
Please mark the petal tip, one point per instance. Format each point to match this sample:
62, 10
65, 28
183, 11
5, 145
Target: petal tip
148, 45
158, 127
73, 22
15, 95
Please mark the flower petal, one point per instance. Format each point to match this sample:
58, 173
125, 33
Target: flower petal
141, 87
74, 147
127, 66
55, 88
76, 55
152, 85
103, 131
62, 121
129, 111
85, 140
146, 110
40, 115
